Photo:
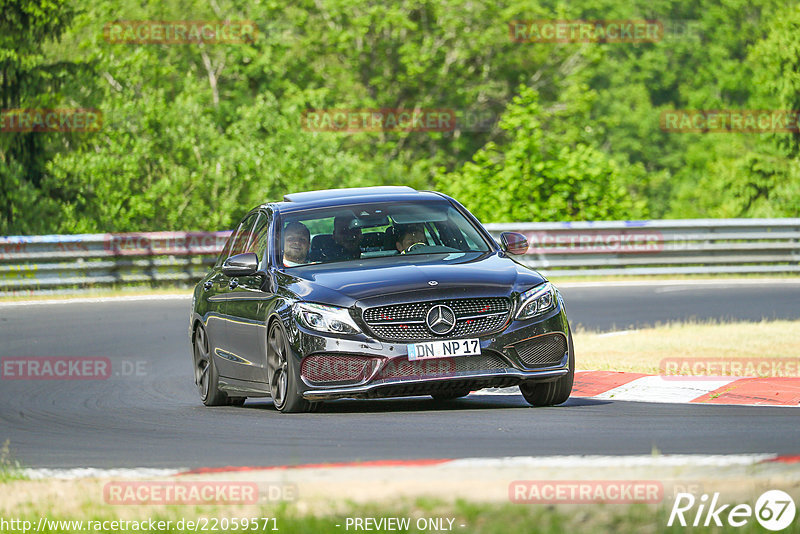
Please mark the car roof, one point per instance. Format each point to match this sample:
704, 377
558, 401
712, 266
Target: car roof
356, 195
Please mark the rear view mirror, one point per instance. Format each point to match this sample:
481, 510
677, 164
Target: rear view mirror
514, 243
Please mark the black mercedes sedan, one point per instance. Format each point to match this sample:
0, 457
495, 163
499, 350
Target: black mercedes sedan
374, 292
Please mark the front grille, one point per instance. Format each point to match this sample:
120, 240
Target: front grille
406, 322
542, 351
336, 368
402, 368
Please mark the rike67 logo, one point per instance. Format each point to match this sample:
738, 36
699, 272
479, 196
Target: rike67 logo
774, 510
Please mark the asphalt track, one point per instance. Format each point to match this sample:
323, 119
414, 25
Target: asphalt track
147, 414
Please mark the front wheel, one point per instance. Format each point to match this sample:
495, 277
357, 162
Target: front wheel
282, 375
555, 392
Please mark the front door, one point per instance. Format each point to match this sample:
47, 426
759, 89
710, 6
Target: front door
246, 308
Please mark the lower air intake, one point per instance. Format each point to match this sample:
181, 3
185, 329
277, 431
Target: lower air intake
336, 368
542, 351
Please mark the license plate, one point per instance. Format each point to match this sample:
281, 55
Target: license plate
444, 349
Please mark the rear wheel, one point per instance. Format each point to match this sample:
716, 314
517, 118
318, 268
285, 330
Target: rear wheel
555, 392
282, 376
205, 372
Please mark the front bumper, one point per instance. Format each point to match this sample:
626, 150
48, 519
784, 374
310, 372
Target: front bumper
431, 385
499, 365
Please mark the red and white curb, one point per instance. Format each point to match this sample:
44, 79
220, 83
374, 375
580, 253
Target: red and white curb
612, 385
771, 391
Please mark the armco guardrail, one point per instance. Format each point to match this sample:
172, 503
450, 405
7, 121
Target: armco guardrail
663, 247
44, 263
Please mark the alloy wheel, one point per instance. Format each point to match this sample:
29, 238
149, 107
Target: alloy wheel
278, 363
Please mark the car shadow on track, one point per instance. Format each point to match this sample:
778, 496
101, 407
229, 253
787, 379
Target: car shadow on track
427, 404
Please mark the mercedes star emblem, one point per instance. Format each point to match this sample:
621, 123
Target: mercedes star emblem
441, 319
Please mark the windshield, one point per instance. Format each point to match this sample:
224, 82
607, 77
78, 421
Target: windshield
377, 230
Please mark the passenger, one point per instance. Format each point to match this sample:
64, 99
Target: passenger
410, 236
296, 240
347, 239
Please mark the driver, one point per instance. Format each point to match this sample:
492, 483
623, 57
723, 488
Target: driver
296, 240
409, 235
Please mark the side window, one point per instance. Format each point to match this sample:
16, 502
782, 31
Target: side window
226, 250
243, 236
257, 227
260, 241
224, 254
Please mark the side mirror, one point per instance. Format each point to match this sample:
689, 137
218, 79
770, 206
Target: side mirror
514, 243
241, 265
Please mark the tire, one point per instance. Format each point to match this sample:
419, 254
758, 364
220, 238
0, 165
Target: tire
282, 375
450, 395
555, 392
205, 371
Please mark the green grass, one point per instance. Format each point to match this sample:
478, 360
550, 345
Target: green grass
10, 469
643, 350
476, 519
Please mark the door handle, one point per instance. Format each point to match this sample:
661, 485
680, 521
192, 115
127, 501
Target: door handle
208, 285
234, 284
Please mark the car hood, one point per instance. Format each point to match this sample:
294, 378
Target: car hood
374, 281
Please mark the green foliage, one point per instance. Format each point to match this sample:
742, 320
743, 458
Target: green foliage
757, 175
28, 79
10, 469
195, 135
192, 173
548, 168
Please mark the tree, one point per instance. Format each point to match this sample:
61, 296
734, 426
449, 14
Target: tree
28, 79
758, 174
547, 169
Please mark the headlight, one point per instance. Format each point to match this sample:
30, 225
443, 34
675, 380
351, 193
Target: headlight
325, 318
537, 301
